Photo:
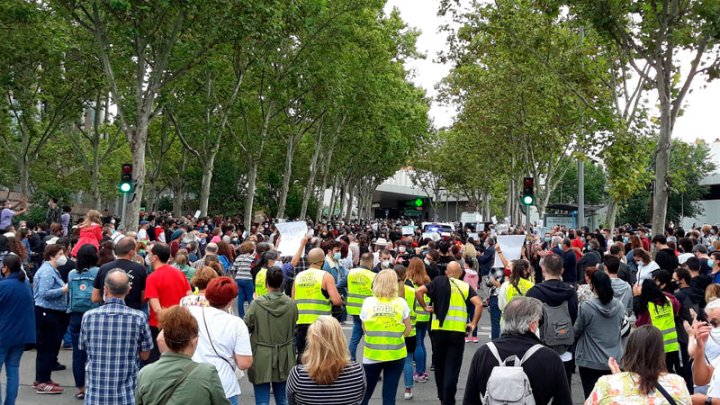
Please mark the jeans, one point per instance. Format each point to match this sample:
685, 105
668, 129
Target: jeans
357, 334
50, 327
67, 338
234, 400
420, 352
301, 341
155, 352
246, 288
10, 356
79, 356
408, 370
262, 393
448, 348
391, 379
470, 314
495, 314
588, 378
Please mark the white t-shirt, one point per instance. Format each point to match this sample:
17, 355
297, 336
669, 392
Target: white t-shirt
142, 234
230, 336
645, 271
714, 386
364, 315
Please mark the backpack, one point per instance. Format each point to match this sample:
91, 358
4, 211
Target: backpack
80, 288
557, 329
508, 384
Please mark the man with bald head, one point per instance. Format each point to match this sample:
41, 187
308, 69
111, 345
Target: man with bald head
124, 252
114, 337
451, 299
311, 291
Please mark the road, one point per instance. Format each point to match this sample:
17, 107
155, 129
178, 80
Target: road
424, 392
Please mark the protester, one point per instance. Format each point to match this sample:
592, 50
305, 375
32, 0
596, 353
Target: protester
181, 263
645, 379
165, 287
313, 292
243, 277
79, 302
270, 320
50, 295
115, 337
450, 297
90, 231
125, 252
175, 378
417, 276
17, 323
199, 283
327, 376
543, 367
406, 291
359, 282
597, 330
646, 266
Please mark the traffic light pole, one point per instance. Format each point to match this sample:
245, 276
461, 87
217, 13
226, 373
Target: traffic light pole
124, 208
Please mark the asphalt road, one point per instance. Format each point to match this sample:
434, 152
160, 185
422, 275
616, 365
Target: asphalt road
424, 393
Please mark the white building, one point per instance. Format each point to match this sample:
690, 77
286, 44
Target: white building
711, 201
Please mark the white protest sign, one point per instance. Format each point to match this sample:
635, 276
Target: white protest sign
291, 236
473, 236
511, 245
197, 214
408, 230
494, 219
480, 227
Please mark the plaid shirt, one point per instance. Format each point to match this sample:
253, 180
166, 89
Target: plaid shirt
113, 335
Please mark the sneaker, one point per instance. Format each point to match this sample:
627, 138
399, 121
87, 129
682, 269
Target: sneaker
35, 383
59, 367
474, 339
408, 393
420, 378
426, 376
49, 388
432, 368
467, 339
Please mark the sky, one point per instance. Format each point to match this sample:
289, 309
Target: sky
701, 118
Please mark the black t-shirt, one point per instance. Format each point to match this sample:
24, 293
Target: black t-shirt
135, 271
66, 269
698, 285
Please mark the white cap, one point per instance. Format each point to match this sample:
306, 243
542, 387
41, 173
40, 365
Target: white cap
9, 234
52, 241
381, 242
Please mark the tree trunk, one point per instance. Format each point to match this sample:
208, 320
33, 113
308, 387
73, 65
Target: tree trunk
612, 214
287, 174
348, 209
662, 156
313, 171
336, 191
178, 197
137, 148
250, 197
207, 175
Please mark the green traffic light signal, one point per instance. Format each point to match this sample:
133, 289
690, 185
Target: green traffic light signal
419, 202
528, 200
125, 187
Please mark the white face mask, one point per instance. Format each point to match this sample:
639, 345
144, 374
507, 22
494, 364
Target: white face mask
147, 260
427, 262
61, 261
537, 331
386, 264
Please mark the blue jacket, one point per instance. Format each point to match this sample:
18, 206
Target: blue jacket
487, 260
17, 318
47, 289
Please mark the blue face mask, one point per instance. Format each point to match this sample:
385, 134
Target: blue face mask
626, 239
711, 262
547, 239
336, 256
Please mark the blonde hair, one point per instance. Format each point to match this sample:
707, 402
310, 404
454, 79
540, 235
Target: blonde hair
469, 251
202, 277
712, 292
385, 284
181, 257
327, 350
92, 217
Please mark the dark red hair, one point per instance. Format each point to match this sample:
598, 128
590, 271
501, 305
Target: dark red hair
221, 291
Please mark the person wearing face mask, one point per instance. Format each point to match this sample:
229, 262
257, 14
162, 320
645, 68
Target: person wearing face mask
385, 261
360, 282
544, 368
430, 261
597, 332
333, 265
165, 287
646, 266
17, 322
714, 263
50, 294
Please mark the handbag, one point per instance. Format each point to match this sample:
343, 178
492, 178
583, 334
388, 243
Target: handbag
165, 397
238, 373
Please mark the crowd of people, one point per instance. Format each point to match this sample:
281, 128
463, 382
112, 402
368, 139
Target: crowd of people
179, 311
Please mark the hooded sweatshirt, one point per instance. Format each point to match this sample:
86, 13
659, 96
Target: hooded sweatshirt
597, 332
271, 322
554, 293
623, 292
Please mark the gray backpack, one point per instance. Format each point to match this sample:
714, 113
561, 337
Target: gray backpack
508, 384
557, 329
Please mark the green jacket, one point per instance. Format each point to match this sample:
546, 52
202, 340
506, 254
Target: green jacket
271, 321
201, 387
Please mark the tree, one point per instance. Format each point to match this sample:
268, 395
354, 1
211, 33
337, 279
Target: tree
655, 32
142, 48
595, 180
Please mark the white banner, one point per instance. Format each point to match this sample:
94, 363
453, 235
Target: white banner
408, 230
291, 236
511, 245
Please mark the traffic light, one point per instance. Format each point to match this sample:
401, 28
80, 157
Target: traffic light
419, 202
126, 178
528, 195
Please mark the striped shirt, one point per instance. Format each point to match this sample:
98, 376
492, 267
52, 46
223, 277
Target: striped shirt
348, 388
242, 265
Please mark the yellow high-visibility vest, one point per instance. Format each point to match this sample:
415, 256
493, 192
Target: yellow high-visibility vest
663, 318
260, 278
359, 287
456, 318
384, 329
411, 301
310, 301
